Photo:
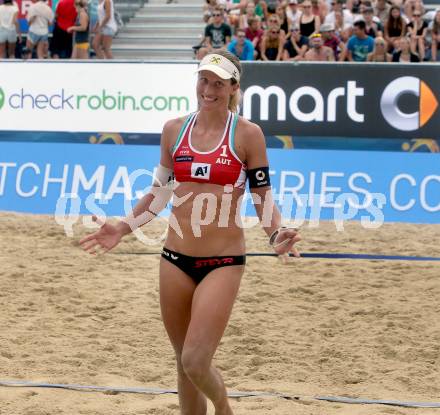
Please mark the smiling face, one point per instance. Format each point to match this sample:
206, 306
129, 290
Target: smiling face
213, 92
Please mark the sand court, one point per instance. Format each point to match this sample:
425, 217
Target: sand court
356, 328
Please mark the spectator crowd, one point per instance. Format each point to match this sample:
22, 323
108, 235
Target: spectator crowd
73, 35
322, 30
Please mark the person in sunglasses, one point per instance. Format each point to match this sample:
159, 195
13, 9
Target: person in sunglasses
295, 46
272, 44
218, 33
417, 30
318, 52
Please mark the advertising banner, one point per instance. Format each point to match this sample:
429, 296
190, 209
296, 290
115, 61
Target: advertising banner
299, 100
79, 96
349, 100
373, 187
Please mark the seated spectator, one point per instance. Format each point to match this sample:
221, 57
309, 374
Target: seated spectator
272, 44
242, 47
411, 6
217, 34
261, 9
65, 16
417, 30
281, 13
308, 22
382, 11
275, 22
80, 31
372, 28
234, 9
255, 33
208, 10
395, 28
250, 13
337, 6
435, 38
39, 16
342, 30
293, 13
295, 46
9, 29
320, 9
403, 53
379, 53
318, 52
360, 44
333, 42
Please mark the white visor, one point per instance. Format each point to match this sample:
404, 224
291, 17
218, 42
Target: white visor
220, 65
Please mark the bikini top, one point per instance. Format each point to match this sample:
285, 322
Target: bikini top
220, 165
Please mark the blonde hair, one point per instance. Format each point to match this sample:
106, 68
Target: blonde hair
235, 99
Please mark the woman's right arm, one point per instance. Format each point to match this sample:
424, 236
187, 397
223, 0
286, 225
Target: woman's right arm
160, 193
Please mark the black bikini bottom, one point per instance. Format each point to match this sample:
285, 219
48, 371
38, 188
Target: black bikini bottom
199, 267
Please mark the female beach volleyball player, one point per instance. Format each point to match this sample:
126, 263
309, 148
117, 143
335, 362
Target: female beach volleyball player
210, 154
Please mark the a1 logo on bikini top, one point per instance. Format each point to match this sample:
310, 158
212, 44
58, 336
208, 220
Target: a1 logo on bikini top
200, 171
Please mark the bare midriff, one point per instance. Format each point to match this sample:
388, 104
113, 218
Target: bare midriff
208, 225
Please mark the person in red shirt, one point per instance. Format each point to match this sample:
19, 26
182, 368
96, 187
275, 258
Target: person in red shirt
255, 33
65, 16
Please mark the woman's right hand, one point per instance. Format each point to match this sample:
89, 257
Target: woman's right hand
107, 237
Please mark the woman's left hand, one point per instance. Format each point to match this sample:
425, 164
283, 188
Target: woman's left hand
285, 241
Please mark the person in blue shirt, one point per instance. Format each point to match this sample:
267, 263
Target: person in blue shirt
360, 44
242, 47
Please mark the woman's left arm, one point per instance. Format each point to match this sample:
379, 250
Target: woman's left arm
281, 239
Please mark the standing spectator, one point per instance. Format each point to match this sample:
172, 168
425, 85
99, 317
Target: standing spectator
382, 11
106, 30
242, 47
360, 44
318, 52
81, 31
395, 27
250, 13
9, 28
295, 46
435, 36
65, 16
379, 53
218, 33
272, 44
333, 42
372, 28
293, 13
404, 52
308, 22
39, 16
417, 30
255, 33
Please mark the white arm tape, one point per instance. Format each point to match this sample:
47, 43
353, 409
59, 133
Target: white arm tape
162, 176
162, 189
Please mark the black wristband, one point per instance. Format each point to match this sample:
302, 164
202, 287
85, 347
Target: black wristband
258, 177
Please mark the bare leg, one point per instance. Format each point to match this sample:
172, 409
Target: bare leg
2, 50
176, 293
40, 50
97, 46
211, 308
107, 46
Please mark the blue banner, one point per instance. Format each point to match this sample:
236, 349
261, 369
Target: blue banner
373, 187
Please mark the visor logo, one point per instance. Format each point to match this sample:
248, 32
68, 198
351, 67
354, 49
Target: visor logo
215, 60
408, 85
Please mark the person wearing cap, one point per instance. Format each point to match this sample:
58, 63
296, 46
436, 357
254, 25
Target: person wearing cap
206, 159
333, 42
318, 52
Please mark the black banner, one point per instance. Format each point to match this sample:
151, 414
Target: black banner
346, 100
